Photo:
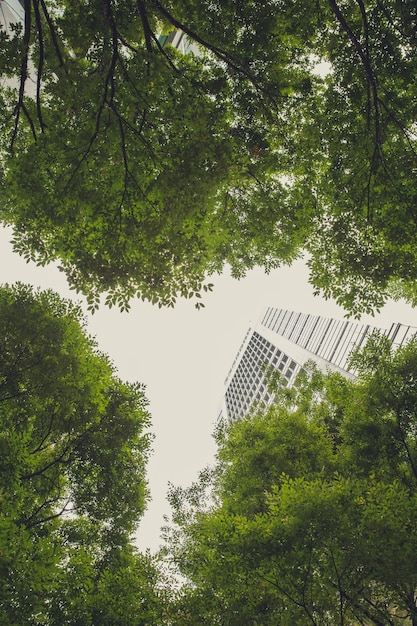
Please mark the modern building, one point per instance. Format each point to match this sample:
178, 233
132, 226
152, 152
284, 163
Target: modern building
179, 40
11, 12
286, 340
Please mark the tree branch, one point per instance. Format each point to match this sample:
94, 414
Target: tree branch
20, 106
53, 34
404, 442
50, 517
60, 460
221, 54
146, 28
41, 446
339, 588
371, 81
40, 63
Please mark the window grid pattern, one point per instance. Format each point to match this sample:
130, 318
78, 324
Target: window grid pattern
330, 339
248, 387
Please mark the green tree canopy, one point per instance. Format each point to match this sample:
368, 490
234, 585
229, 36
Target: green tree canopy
143, 167
74, 443
309, 516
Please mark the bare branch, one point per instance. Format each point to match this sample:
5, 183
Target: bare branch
40, 63
49, 518
137, 132
146, 28
60, 460
41, 446
20, 106
53, 34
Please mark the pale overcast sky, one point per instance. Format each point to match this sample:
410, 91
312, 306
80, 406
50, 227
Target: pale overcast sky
183, 356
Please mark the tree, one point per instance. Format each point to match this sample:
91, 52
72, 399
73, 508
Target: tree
119, 588
137, 195
309, 516
73, 451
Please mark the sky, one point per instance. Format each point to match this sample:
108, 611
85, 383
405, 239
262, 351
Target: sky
183, 356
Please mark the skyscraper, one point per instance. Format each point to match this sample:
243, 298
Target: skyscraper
11, 12
286, 340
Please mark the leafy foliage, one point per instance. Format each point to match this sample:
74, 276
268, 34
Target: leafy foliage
310, 513
72, 471
144, 168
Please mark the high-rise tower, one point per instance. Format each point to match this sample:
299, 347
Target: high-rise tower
286, 340
11, 12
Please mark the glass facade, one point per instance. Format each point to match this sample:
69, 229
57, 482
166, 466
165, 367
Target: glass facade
330, 339
248, 386
285, 340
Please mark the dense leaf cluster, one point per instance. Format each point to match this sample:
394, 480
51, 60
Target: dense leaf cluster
311, 515
73, 447
143, 167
